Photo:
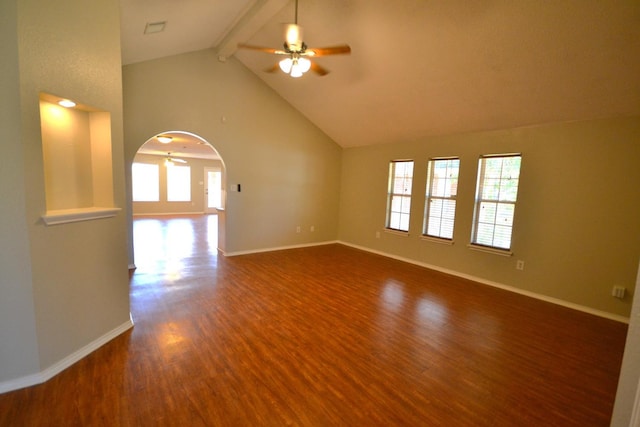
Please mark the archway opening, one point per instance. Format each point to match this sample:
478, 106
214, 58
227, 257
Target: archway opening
178, 189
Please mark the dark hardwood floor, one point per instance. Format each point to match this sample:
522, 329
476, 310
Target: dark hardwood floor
326, 336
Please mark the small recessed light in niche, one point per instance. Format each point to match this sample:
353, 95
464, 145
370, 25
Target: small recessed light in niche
155, 27
165, 139
67, 103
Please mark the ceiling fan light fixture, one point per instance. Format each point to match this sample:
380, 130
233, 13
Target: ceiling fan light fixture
171, 161
304, 64
286, 64
295, 66
293, 37
296, 62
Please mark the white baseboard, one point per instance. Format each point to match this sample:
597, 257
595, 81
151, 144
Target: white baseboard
56, 368
166, 213
535, 295
279, 248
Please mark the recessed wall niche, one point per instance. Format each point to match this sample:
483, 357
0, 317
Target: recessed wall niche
76, 149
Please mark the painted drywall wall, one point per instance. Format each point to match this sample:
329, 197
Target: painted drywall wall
197, 203
19, 348
577, 220
79, 270
289, 171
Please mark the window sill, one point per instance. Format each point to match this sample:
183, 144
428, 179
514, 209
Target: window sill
65, 216
495, 251
448, 242
396, 232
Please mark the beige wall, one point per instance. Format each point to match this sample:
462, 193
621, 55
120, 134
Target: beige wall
197, 203
18, 339
288, 169
577, 220
75, 274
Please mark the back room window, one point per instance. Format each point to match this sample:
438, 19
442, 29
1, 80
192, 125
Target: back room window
145, 179
496, 195
440, 202
399, 195
178, 183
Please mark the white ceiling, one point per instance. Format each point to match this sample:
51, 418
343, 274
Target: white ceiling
182, 145
420, 67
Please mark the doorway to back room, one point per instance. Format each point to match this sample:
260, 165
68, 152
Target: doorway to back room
177, 174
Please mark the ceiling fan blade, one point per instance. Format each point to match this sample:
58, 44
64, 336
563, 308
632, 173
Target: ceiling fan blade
318, 69
272, 69
173, 159
333, 50
262, 49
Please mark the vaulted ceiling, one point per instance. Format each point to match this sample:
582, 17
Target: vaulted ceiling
419, 67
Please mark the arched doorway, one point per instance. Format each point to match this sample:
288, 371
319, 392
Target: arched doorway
178, 173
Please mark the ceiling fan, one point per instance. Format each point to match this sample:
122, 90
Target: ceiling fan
296, 52
171, 160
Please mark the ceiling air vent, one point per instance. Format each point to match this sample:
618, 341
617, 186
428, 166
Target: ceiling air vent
155, 27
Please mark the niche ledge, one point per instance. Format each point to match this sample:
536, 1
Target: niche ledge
65, 216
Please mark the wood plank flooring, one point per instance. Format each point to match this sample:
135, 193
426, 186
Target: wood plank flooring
326, 336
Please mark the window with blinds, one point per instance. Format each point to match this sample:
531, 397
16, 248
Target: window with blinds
496, 195
399, 195
440, 198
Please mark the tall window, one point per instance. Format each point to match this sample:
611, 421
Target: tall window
440, 201
178, 183
399, 194
496, 195
145, 184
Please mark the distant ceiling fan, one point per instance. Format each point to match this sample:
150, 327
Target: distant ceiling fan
171, 160
297, 53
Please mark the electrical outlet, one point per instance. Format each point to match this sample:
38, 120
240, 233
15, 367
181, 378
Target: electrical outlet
520, 265
377, 234
298, 229
312, 228
618, 292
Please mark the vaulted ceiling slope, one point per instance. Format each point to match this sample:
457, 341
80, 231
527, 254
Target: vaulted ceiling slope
420, 67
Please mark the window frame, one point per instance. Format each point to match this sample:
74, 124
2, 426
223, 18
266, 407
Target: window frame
430, 196
403, 197
499, 202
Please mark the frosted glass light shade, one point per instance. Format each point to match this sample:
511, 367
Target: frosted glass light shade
304, 64
285, 65
295, 67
